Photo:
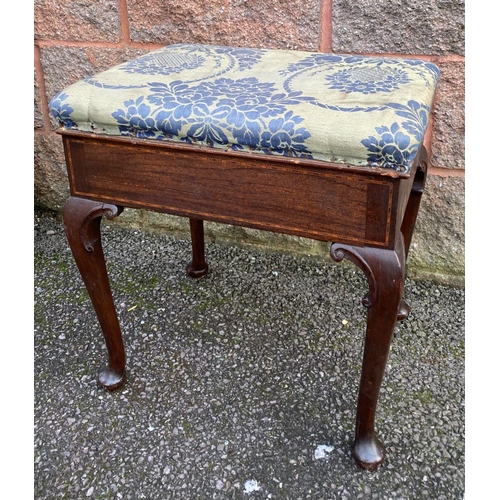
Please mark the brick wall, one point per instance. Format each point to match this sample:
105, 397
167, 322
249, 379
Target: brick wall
77, 38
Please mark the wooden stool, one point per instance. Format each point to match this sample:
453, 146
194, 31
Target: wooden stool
323, 146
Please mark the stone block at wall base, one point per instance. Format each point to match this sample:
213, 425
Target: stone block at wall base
438, 245
221, 233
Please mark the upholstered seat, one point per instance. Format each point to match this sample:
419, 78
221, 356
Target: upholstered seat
362, 111
323, 146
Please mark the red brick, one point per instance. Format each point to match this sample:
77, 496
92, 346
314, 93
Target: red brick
38, 115
395, 26
77, 20
51, 180
288, 25
448, 144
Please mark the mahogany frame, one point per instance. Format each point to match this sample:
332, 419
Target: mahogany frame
368, 213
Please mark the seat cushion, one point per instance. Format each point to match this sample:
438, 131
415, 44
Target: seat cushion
362, 111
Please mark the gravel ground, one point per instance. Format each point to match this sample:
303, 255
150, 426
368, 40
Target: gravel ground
240, 385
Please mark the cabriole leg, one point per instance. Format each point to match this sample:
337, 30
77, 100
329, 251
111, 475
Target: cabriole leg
82, 220
385, 272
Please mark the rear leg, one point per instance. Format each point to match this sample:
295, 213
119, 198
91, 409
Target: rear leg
197, 268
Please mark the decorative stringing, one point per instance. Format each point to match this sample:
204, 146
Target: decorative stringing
362, 111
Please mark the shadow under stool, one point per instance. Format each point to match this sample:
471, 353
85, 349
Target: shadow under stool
323, 146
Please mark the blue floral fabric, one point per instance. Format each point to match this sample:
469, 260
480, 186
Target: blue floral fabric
362, 111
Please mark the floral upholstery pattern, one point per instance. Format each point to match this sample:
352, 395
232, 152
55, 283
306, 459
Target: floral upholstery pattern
363, 111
